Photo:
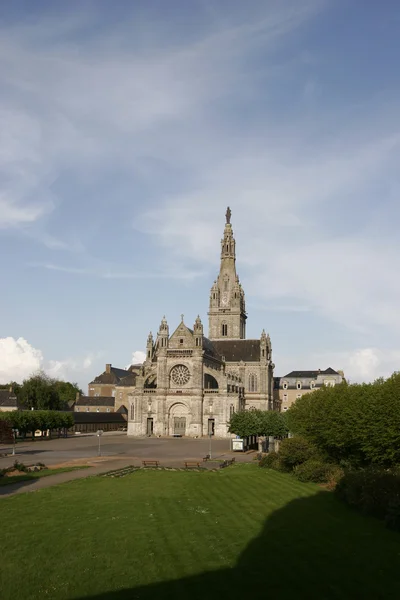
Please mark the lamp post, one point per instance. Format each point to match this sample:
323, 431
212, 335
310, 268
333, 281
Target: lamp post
99, 434
14, 436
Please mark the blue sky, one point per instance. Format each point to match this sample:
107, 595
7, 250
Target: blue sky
127, 128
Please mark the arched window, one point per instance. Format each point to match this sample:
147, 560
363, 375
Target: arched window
252, 382
224, 330
231, 411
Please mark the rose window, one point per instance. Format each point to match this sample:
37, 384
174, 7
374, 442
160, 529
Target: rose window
180, 374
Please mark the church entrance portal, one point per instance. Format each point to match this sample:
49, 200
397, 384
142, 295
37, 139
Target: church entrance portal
179, 419
179, 425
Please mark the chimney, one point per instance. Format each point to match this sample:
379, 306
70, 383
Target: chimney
108, 368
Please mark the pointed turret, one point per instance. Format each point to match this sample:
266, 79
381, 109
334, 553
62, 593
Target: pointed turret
163, 334
149, 347
198, 332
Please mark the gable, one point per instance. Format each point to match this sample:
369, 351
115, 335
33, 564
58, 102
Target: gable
181, 338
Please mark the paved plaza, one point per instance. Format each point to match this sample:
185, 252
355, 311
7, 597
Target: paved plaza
115, 445
117, 451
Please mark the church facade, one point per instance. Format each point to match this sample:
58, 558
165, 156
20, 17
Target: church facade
190, 384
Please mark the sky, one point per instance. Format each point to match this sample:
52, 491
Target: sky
127, 128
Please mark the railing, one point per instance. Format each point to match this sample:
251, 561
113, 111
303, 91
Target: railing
211, 391
149, 391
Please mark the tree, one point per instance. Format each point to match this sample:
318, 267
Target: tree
40, 393
259, 423
357, 424
67, 392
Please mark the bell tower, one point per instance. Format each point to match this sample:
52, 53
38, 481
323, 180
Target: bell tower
227, 312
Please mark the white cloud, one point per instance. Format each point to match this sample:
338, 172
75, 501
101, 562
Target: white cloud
138, 357
19, 360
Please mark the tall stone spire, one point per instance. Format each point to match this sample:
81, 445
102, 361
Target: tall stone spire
227, 314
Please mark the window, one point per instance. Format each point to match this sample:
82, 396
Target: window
120, 395
97, 409
298, 385
197, 341
252, 383
231, 411
298, 396
224, 330
285, 385
87, 409
108, 410
285, 397
181, 341
92, 389
312, 385
132, 411
148, 354
226, 282
263, 352
285, 408
77, 409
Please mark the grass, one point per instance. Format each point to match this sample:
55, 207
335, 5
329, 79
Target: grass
240, 532
37, 475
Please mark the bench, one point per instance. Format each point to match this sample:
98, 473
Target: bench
150, 463
227, 463
192, 464
207, 457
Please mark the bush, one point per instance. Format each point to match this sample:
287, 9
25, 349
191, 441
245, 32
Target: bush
270, 461
316, 470
295, 451
374, 492
17, 466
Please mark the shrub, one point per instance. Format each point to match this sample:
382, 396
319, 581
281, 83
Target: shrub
270, 461
374, 492
314, 469
17, 466
295, 451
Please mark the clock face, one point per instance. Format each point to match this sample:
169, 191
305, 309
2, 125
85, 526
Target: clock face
224, 299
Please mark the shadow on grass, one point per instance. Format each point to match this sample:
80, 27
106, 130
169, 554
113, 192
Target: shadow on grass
312, 548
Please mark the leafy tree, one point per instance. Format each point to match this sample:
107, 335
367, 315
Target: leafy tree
67, 392
15, 386
30, 420
258, 422
40, 393
356, 425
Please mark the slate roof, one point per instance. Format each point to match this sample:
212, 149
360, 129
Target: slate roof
236, 350
114, 376
130, 380
122, 409
8, 399
311, 374
97, 417
95, 401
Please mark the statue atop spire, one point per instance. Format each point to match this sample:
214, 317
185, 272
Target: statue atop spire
228, 215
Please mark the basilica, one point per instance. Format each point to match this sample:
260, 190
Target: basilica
191, 384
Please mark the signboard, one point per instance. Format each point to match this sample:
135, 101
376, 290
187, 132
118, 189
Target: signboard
237, 444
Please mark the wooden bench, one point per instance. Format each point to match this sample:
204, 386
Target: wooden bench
207, 457
192, 464
150, 463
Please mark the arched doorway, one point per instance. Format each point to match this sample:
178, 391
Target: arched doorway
178, 419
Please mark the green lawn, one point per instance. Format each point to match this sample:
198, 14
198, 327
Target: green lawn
37, 474
239, 533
